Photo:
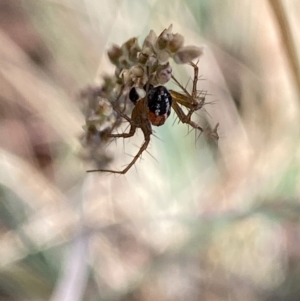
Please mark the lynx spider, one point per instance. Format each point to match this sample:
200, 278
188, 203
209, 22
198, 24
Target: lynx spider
140, 117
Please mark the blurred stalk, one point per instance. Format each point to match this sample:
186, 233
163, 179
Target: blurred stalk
287, 38
72, 284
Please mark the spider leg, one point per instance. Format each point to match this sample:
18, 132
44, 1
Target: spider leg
136, 121
187, 101
195, 81
121, 135
185, 118
139, 153
144, 124
124, 135
191, 101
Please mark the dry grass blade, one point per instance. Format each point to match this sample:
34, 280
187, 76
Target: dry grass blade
289, 45
36, 90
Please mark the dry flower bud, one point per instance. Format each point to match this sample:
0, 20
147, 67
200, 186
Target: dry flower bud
136, 71
163, 74
144, 55
126, 78
99, 122
164, 38
150, 39
105, 107
168, 32
176, 43
133, 55
140, 82
162, 41
133, 52
152, 61
147, 51
142, 58
124, 62
170, 28
108, 85
187, 53
118, 75
129, 44
114, 53
163, 56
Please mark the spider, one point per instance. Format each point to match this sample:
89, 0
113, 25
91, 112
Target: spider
155, 108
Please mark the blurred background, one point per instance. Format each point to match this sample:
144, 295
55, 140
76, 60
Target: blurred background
191, 220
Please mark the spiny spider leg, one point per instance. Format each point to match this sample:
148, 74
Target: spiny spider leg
137, 121
190, 101
185, 118
143, 148
122, 135
115, 107
193, 102
195, 81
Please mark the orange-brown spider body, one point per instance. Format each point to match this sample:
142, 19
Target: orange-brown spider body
158, 120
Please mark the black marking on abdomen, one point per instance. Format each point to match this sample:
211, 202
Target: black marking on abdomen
159, 101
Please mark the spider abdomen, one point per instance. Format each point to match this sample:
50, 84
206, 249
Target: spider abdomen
159, 103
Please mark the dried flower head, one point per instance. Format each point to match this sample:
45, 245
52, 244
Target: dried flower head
137, 70
152, 58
